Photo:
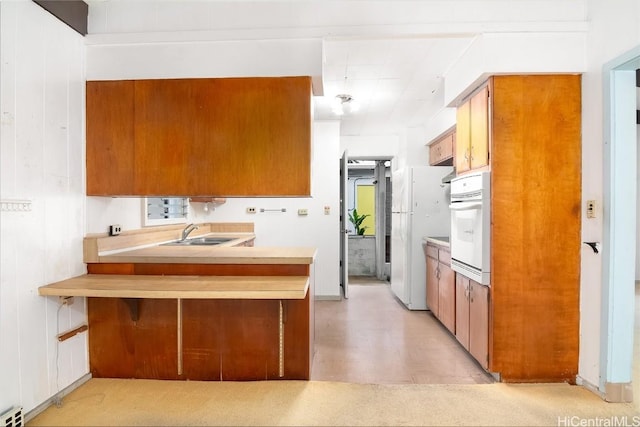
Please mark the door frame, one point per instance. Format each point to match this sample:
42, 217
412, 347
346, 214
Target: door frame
344, 215
619, 226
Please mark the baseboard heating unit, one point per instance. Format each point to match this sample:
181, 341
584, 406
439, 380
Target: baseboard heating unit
12, 418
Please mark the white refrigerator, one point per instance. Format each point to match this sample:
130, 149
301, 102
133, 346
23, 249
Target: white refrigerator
419, 208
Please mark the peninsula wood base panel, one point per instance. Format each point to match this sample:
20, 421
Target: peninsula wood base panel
211, 340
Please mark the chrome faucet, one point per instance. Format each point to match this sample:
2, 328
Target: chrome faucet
188, 229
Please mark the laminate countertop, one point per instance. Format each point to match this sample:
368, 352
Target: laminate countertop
213, 255
437, 240
183, 287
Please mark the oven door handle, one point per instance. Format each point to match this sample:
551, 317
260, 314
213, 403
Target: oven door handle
464, 206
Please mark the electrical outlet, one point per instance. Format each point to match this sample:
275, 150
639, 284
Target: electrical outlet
251, 210
591, 208
303, 212
115, 229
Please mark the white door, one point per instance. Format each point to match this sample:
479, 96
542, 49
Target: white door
344, 215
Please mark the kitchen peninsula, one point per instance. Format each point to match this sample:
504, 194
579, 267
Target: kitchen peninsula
222, 312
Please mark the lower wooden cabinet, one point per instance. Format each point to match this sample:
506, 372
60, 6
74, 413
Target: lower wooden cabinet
472, 318
200, 339
440, 285
432, 281
446, 297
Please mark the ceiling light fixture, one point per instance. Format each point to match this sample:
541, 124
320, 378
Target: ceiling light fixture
344, 104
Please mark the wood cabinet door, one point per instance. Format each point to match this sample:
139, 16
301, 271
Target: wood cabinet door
224, 137
479, 148
123, 347
172, 120
463, 137
447, 297
462, 310
441, 151
432, 285
479, 323
199, 137
110, 138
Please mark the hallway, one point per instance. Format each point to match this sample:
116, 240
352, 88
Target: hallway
372, 338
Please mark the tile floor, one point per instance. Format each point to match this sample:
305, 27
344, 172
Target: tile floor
372, 338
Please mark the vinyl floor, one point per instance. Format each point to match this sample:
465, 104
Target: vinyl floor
371, 337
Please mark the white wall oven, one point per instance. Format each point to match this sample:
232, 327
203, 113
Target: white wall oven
470, 226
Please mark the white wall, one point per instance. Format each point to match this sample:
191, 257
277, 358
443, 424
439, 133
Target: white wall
614, 29
371, 147
271, 228
42, 161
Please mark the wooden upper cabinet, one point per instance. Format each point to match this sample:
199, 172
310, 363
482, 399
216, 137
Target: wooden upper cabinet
220, 137
479, 148
463, 137
472, 139
441, 149
110, 137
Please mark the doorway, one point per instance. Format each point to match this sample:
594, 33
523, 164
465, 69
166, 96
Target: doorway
365, 241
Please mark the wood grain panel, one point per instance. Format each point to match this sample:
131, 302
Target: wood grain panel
110, 137
201, 269
298, 337
447, 298
156, 339
110, 268
463, 137
224, 137
111, 338
462, 310
224, 269
120, 347
173, 287
432, 285
479, 148
536, 193
201, 340
249, 334
479, 322
431, 251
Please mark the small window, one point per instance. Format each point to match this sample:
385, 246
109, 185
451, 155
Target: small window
164, 210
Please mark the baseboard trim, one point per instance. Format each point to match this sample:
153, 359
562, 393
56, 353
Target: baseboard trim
589, 386
56, 397
327, 297
618, 392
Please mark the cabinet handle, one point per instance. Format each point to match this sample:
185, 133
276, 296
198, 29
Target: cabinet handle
470, 293
437, 272
466, 154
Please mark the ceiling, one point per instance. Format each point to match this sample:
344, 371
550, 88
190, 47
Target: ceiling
389, 55
397, 82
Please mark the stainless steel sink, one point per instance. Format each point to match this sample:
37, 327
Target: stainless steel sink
199, 241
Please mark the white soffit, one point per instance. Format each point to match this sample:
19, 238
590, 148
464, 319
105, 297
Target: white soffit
515, 53
250, 58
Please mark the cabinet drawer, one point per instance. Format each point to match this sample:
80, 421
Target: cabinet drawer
431, 251
444, 257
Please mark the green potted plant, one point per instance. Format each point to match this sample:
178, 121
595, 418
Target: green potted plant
356, 219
